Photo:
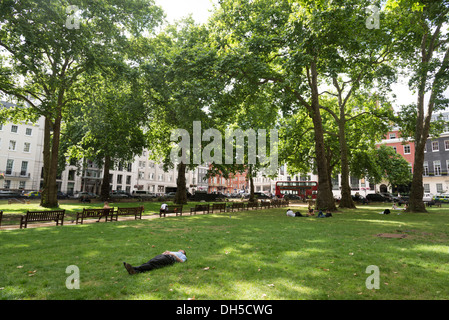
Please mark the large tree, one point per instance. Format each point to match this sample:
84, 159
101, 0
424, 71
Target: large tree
182, 85
108, 126
48, 45
422, 41
295, 48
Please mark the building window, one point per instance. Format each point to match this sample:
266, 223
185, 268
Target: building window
446, 145
426, 188
435, 146
394, 148
119, 179
14, 128
24, 168
407, 149
426, 169
12, 145
71, 175
26, 147
22, 184
128, 178
28, 131
9, 166
437, 168
392, 135
425, 147
439, 187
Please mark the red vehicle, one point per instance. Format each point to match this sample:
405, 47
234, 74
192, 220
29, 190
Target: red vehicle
302, 189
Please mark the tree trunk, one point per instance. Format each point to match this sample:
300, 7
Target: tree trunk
181, 192
325, 197
46, 158
104, 196
422, 131
251, 183
49, 197
346, 197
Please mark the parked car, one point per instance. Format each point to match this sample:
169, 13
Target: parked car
292, 197
32, 195
62, 195
120, 194
143, 194
5, 194
389, 196
444, 198
170, 194
85, 195
402, 199
261, 195
377, 197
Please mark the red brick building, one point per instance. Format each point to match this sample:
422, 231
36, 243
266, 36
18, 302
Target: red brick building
234, 184
405, 148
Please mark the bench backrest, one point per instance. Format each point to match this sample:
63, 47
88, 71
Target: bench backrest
133, 210
238, 204
174, 208
199, 207
44, 215
219, 206
96, 212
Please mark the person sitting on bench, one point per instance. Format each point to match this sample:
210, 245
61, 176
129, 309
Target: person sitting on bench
163, 208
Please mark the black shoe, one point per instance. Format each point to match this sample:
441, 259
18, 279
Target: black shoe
129, 268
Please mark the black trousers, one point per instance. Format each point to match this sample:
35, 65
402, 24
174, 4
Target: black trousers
158, 261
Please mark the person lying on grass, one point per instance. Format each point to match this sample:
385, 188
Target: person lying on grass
290, 213
165, 259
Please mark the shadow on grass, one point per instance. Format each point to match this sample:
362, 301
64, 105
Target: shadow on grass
244, 255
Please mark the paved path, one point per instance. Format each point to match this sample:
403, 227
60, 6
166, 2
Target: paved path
68, 222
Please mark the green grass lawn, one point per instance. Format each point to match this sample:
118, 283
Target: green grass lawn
242, 255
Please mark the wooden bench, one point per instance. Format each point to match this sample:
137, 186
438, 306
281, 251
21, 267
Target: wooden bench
135, 211
1, 216
276, 203
265, 204
94, 213
221, 207
200, 207
171, 209
42, 216
253, 205
237, 206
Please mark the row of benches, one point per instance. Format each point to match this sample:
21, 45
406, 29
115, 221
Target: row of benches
58, 215
223, 207
110, 214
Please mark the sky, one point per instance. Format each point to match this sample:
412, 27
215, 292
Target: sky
176, 9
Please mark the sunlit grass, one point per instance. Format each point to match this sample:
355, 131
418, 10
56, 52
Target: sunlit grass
243, 255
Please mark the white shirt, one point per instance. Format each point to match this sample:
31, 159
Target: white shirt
290, 213
180, 255
164, 206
